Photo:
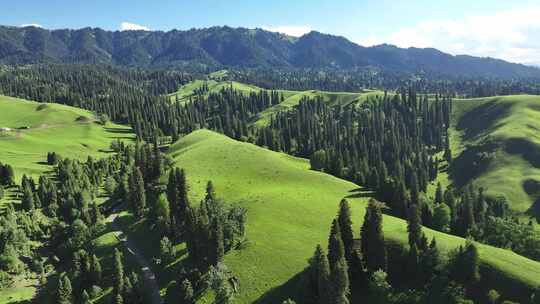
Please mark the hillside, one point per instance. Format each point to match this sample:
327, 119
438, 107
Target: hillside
235, 47
496, 141
290, 98
36, 129
290, 209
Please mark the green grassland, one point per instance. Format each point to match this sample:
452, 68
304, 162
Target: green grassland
496, 142
290, 209
68, 131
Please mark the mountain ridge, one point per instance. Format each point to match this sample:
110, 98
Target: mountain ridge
224, 46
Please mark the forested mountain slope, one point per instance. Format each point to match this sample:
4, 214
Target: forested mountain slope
236, 47
290, 209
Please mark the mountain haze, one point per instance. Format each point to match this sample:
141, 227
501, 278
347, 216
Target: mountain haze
236, 47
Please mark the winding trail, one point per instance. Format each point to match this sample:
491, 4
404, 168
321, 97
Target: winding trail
150, 280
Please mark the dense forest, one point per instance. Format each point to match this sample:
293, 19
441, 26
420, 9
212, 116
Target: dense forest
394, 145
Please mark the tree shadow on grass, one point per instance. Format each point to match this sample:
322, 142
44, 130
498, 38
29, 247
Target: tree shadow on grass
291, 289
483, 119
360, 192
118, 130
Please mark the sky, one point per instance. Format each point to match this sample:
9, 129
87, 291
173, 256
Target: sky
508, 29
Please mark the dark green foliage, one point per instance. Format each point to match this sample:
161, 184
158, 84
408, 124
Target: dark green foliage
137, 194
372, 238
345, 225
335, 244
414, 225
64, 291
318, 160
464, 265
186, 292
318, 278
118, 286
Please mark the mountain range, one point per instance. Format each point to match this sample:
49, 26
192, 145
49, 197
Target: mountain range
237, 47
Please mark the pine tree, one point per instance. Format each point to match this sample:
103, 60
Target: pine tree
217, 247
340, 282
137, 193
186, 292
345, 225
372, 238
335, 244
414, 227
118, 273
323, 278
439, 194
65, 292
85, 298
96, 272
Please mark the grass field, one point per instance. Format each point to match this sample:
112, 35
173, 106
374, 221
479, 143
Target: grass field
68, 131
290, 209
496, 142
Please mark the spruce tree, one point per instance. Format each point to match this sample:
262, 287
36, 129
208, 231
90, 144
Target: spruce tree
64, 291
335, 244
414, 227
340, 282
118, 273
345, 225
96, 272
186, 292
372, 238
137, 192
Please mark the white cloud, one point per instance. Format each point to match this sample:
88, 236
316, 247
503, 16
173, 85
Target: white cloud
128, 26
511, 35
291, 30
32, 24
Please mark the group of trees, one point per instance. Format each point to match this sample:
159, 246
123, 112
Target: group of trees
368, 269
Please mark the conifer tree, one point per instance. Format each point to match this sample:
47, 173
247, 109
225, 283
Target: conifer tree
372, 238
118, 273
186, 292
414, 227
64, 292
345, 225
335, 244
96, 273
136, 191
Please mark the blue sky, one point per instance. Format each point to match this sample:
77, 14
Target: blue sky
502, 29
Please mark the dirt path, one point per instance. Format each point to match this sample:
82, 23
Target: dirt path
149, 277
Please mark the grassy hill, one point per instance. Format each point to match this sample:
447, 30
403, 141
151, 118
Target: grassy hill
291, 98
290, 209
496, 142
35, 129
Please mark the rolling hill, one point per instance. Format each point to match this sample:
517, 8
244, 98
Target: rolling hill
290, 209
291, 98
31, 130
236, 47
496, 142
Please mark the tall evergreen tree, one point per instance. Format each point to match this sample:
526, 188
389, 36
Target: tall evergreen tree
137, 193
335, 244
372, 238
345, 225
64, 291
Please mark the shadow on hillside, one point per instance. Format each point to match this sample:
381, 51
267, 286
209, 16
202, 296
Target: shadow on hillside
534, 211
290, 289
118, 130
525, 148
360, 192
471, 163
483, 119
